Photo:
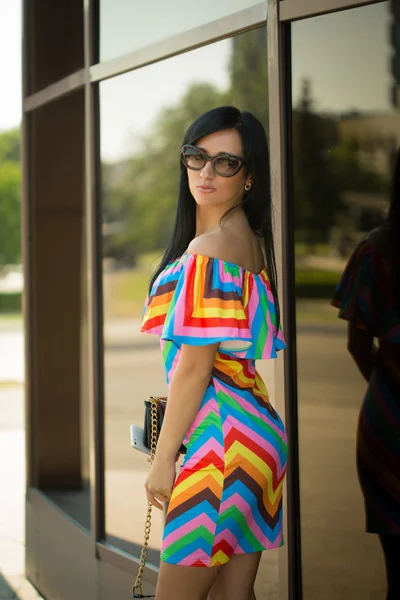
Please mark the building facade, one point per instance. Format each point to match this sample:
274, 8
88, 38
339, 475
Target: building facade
109, 89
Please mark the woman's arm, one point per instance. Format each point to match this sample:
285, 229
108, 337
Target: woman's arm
186, 390
360, 344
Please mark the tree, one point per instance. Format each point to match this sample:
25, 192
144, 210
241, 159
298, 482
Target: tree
10, 197
249, 74
10, 145
353, 175
10, 213
317, 199
144, 198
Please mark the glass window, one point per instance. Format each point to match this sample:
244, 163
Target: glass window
140, 138
126, 26
345, 131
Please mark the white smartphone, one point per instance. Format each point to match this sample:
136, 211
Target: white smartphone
137, 437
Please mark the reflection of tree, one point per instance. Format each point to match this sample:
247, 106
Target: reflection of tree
336, 180
249, 74
353, 175
144, 198
10, 146
316, 191
140, 194
10, 198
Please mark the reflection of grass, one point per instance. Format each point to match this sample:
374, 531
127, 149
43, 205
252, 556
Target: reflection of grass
316, 277
129, 293
149, 261
315, 311
314, 283
125, 291
317, 250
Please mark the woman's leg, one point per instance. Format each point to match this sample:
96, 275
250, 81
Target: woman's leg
183, 583
391, 549
235, 580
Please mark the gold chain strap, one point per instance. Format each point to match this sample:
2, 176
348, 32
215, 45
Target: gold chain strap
137, 587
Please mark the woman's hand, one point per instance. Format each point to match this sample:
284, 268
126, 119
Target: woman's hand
159, 482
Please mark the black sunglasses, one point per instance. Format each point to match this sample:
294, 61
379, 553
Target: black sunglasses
225, 165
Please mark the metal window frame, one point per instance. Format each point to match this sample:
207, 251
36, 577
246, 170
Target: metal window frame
220, 29
292, 10
94, 286
123, 560
26, 243
56, 90
280, 93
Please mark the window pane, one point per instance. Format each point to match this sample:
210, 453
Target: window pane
140, 140
126, 26
345, 131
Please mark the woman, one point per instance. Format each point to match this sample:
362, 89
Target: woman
368, 296
215, 307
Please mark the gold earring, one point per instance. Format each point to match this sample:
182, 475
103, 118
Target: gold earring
247, 187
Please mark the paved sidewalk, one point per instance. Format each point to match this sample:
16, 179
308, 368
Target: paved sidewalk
12, 503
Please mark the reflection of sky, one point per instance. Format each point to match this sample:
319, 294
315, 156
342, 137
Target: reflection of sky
346, 55
127, 25
129, 103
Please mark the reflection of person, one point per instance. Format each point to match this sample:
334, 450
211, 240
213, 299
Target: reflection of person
214, 304
368, 296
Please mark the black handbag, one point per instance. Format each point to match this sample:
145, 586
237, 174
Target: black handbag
159, 404
154, 410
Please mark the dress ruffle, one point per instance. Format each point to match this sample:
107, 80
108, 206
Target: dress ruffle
199, 300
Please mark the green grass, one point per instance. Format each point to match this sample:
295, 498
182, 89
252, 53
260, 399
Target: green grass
316, 311
10, 302
128, 289
317, 250
314, 283
316, 277
11, 316
149, 260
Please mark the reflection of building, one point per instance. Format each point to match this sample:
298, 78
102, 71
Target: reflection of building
87, 374
378, 136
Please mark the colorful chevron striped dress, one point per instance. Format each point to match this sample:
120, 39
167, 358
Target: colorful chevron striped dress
227, 498
365, 295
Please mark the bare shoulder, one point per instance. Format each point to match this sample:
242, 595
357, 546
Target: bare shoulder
218, 244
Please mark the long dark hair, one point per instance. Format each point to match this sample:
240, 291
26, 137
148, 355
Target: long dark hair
393, 220
256, 202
